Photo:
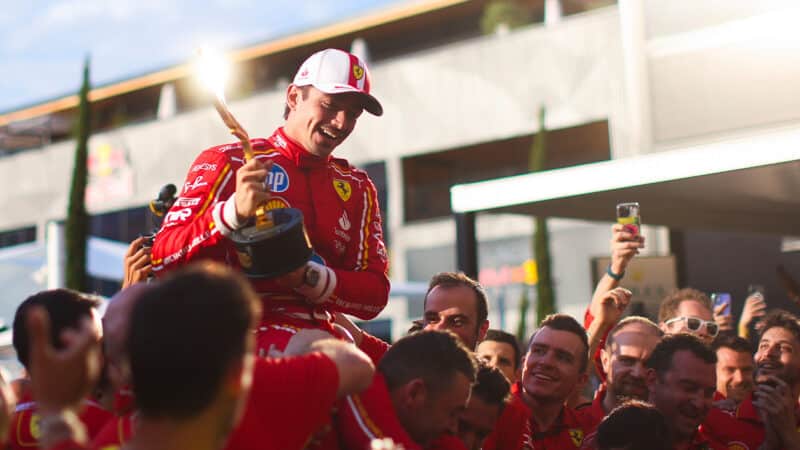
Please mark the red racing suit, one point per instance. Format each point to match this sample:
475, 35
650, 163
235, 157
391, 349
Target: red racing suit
341, 214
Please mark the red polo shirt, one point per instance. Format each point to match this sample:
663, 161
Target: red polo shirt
521, 432
370, 415
742, 427
374, 347
291, 399
116, 433
24, 429
507, 430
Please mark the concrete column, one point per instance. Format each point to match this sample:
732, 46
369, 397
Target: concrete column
637, 83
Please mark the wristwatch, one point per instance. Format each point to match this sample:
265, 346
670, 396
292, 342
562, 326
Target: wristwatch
311, 277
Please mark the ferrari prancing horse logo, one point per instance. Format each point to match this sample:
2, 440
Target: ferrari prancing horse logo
577, 436
343, 189
358, 72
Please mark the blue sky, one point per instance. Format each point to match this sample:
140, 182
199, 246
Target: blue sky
43, 42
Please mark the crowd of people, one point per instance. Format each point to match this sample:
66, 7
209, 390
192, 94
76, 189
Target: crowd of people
201, 357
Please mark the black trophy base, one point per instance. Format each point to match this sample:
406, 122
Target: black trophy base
268, 252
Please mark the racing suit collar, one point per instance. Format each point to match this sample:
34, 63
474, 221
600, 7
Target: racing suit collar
294, 151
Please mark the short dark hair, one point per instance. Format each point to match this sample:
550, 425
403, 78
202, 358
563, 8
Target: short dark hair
177, 363
506, 338
434, 356
634, 425
733, 342
661, 358
657, 332
455, 279
670, 303
565, 322
491, 386
781, 319
66, 309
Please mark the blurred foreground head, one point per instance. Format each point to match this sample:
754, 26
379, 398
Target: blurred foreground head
190, 344
634, 425
66, 309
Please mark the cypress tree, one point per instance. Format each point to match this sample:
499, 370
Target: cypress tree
545, 295
77, 224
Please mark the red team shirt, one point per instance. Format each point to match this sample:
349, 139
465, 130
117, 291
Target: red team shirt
507, 430
291, 399
115, 433
24, 432
370, 415
341, 214
516, 430
741, 429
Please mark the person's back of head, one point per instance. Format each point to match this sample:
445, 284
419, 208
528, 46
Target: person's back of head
66, 309
634, 425
213, 307
429, 375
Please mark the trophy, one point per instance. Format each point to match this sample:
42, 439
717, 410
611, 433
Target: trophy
277, 242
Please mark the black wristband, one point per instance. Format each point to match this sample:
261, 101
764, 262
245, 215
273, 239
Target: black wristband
616, 276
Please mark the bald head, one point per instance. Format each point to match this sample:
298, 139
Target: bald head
116, 325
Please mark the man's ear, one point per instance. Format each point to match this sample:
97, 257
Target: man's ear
293, 95
415, 393
605, 359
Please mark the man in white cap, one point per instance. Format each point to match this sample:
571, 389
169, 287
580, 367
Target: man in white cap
293, 168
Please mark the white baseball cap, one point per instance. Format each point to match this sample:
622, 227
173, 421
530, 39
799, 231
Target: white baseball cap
335, 71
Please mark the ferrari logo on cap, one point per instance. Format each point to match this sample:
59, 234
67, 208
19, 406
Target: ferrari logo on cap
343, 189
358, 72
576, 434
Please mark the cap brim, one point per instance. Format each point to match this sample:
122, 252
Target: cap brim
371, 104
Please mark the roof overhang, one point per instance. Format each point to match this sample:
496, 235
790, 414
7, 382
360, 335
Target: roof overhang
750, 184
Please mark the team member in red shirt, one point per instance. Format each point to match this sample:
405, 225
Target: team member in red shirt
770, 413
555, 363
681, 379
624, 355
293, 168
419, 391
68, 310
735, 368
501, 351
457, 303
